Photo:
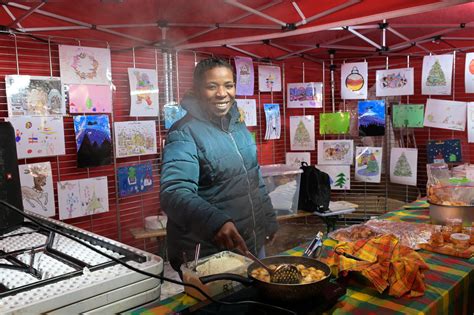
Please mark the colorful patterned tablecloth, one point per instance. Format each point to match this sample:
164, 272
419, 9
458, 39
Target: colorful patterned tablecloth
450, 283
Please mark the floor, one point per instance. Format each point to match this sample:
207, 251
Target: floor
288, 236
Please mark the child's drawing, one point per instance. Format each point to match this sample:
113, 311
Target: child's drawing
335, 152
269, 79
295, 158
436, 75
85, 65
339, 175
309, 94
302, 136
135, 179
38, 136
37, 188
273, 121
93, 140
368, 165
30, 95
88, 98
445, 114
245, 76
143, 92
135, 138
248, 111
82, 197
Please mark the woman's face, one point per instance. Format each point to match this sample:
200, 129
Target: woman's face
217, 91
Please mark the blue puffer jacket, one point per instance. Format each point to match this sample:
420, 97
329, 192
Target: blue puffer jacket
210, 176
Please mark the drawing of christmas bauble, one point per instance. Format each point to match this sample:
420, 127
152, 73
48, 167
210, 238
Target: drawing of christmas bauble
354, 81
471, 66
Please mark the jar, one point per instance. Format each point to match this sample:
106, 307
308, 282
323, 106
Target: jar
446, 231
460, 241
469, 231
437, 239
354, 81
456, 224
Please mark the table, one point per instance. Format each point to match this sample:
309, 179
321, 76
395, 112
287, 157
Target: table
450, 284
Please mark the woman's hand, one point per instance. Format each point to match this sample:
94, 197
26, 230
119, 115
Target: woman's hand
229, 238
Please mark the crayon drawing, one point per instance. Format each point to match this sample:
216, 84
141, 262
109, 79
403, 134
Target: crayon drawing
339, 152
34, 95
88, 98
248, 111
403, 166
245, 76
394, 82
37, 188
143, 92
295, 158
134, 138
84, 65
302, 136
78, 198
354, 80
269, 79
368, 166
445, 114
301, 95
93, 140
436, 75
273, 121
135, 179
408, 115
38, 136
339, 176
469, 73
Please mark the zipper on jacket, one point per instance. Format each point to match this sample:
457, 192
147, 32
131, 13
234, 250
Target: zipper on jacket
248, 185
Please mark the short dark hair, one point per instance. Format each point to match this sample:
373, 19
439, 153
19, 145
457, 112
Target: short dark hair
207, 64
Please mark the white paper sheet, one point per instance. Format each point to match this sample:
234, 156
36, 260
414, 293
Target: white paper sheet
37, 188
403, 166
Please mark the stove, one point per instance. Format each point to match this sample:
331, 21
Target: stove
317, 305
45, 272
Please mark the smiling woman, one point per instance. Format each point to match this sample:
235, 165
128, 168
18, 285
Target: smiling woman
211, 186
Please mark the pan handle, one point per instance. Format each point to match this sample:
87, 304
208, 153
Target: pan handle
226, 276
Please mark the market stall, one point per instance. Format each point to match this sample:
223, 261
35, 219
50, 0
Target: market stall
370, 92
449, 286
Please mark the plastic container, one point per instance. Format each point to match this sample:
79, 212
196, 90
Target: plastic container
283, 186
206, 267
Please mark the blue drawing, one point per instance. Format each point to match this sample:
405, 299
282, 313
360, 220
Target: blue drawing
135, 179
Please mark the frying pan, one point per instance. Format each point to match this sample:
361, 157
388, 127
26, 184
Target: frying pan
277, 291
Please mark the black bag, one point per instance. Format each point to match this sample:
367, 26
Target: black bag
315, 189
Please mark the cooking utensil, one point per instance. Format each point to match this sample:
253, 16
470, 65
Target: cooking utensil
196, 255
284, 273
314, 248
279, 292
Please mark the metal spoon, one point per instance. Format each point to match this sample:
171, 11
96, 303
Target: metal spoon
196, 255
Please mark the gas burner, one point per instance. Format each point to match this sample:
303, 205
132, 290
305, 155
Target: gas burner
41, 271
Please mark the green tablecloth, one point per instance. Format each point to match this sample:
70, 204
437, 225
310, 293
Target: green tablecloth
450, 284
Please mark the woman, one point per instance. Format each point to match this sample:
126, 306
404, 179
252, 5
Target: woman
211, 186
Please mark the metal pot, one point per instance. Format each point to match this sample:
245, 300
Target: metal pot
276, 291
441, 213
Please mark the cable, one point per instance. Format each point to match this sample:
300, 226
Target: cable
118, 261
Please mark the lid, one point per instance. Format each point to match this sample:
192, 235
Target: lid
279, 169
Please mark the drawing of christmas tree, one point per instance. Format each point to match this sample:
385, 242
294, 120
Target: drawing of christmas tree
341, 180
301, 134
402, 167
436, 75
